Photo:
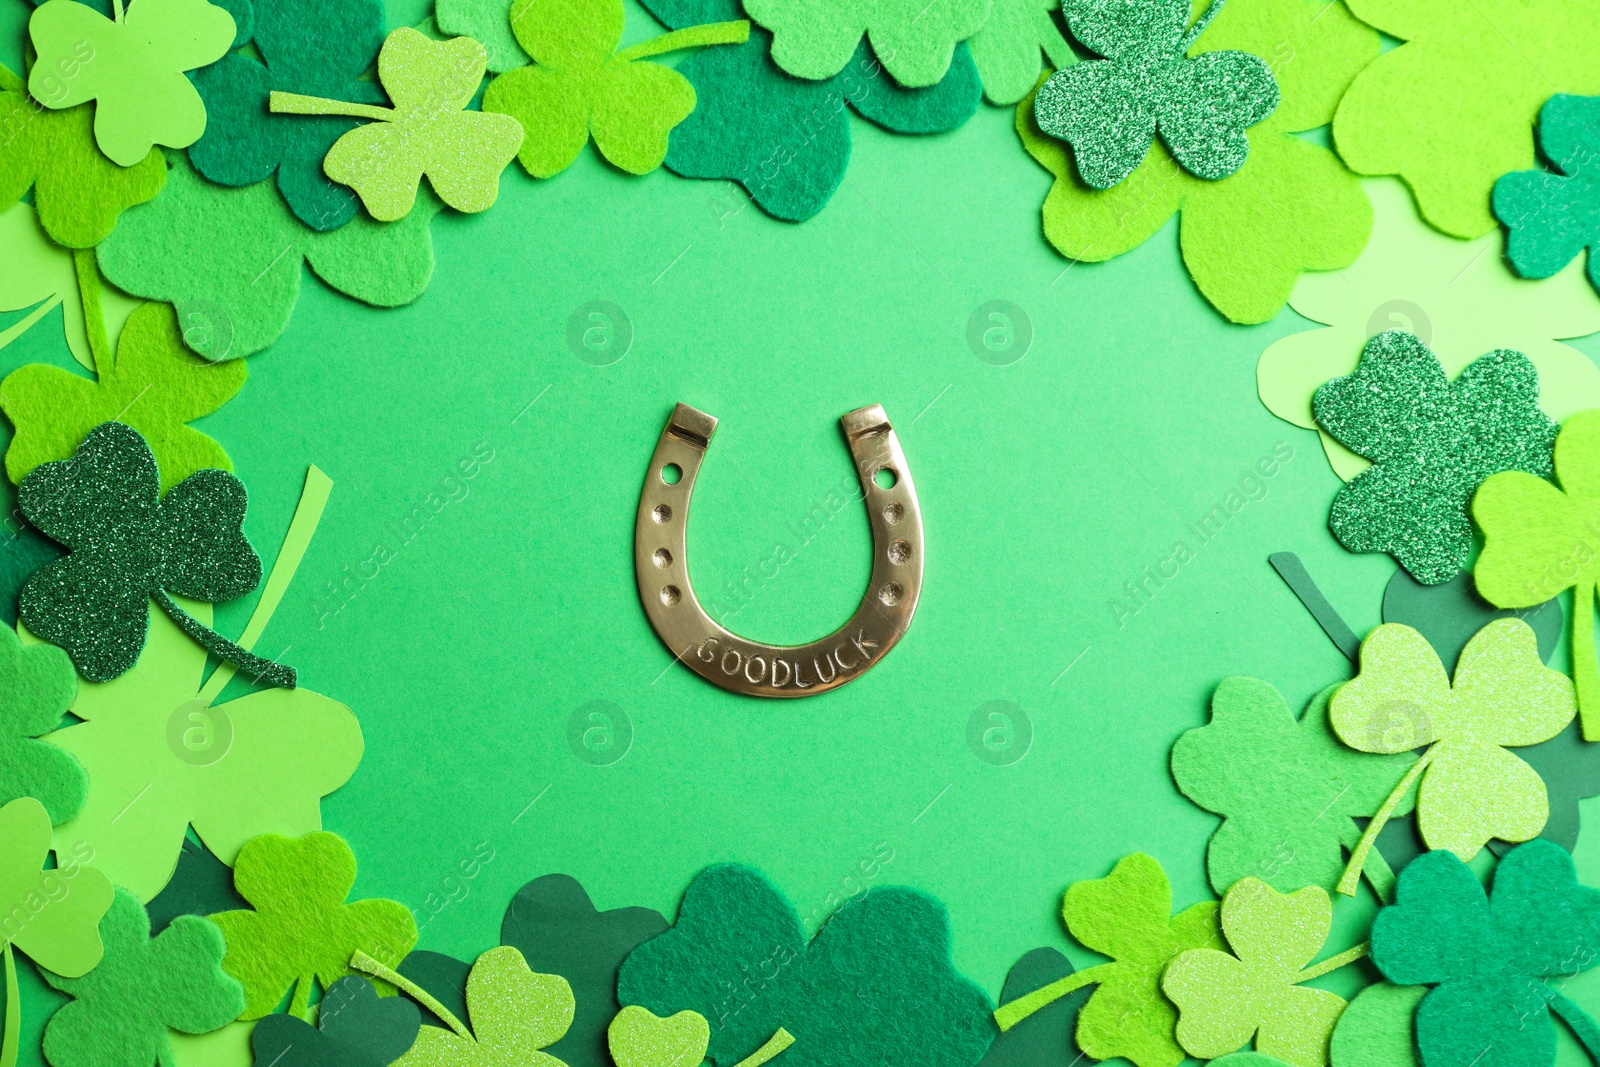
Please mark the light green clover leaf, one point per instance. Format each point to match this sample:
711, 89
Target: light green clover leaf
53, 915
488, 21
43, 277
913, 39
1008, 47
132, 68
37, 685
1378, 1028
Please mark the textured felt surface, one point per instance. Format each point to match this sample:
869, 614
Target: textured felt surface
875, 982
37, 685
485, 21
1048, 1037
59, 908
1010, 49
512, 1013
1378, 1028
443, 977
355, 1028
1550, 218
816, 38
42, 278
121, 1011
201, 885
22, 552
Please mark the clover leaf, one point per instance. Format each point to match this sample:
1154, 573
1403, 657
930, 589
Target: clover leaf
37, 686
355, 1028
1226, 999
121, 1011
580, 85
1127, 916
54, 913
1487, 956
301, 930
315, 47
1550, 218
1288, 790
487, 21
816, 38
1376, 1029
1046, 1037
1432, 443
132, 68
638, 1038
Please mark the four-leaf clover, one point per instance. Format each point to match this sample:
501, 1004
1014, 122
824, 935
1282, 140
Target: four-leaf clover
915, 39
37, 686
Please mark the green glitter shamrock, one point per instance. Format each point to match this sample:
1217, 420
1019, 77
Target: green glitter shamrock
37, 686
1487, 956
127, 546
915, 39
1552, 217
121, 1010
1110, 110
1432, 442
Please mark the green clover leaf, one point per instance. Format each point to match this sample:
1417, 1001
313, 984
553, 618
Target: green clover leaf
1288, 790
639, 1038
1377, 1028
132, 68
1552, 217
1008, 47
488, 21
914, 39
427, 133
1432, 442
55, 914
1226, 999
37, 686
580, 85
301, 930
355, 1028
120, 1011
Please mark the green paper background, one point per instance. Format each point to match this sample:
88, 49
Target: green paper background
1045, 485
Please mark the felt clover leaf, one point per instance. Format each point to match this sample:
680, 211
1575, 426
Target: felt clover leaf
1225, 999
1376, 1029
1007, 49
1288, 790
1458, 299
53, 915
355, 1028
121, 1011
231, 260
488, 21
1487, 957
1127, 916
1502, 696
816, 38
301, 929
427, 132
1048, 1036
1291, 207
132, 68
37, 686
845, 996
1553, 217
128, 546
580, 85
1432, 442
201, 885
746, 112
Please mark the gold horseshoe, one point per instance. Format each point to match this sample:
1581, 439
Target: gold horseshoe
661, 564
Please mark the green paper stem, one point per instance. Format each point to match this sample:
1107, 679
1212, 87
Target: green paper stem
307, 514
1379, 874
363, 962
1012, 1013
13, 1039
1056, 48
1304, 587
279, 674
1200, 25
1583, 1027
736, 32
94, 320
1332, 963
295, 104
774, 1045
1358, 856
1585, 669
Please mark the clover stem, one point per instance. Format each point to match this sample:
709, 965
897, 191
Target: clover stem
1012, 1013
1358, 855
13, 1039
280, 674
363, 962
295, 104
1200, 25
116, 10
1332, 963
693, 37
1585, 671
94, 319
774, 1045
1304, 587
1582, 1025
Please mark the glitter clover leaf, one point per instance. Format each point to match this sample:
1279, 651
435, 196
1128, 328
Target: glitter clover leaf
1487, 956
580, 85
120, 1012
1550, 218
1472, 789
639, 1038
55, 913
37, 686
816, 38
1432, 442
1224, 999
127, 546
132, 68
355, 1028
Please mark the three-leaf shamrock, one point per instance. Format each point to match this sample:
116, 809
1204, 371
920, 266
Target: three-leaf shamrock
1377, 1029
915, 39
132, 68
1553, 217
1487, 957
121, 1011
1110, 110
580, 85
355, 1028
54, 914
36, 688
1432, 443
427, 132
1225, 999
301, 929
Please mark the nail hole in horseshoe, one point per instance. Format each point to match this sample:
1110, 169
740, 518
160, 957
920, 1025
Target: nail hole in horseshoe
670, 595
672, 474
899, 552
663, 514
663, 558
891, 594
892, 513
885, 477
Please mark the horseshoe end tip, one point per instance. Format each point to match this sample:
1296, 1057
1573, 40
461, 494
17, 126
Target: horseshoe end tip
692, 423
861, 421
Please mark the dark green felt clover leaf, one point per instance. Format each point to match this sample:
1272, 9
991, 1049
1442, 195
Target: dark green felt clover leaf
355, 1028
37, 685
1288, 790
121, 1010
1550, 218
1110, 110
1047, 1037
22, 552
201, 884
1432, 442
128, 545
875, 985
1487, 957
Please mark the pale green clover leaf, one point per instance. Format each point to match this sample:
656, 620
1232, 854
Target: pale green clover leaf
914, 39
1007, 49
53, 916
514, 1013
488, 21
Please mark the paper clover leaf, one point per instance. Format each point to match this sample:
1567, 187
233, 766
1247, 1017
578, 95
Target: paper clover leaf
1553, 217
1377, 1028
36, 688
243, 12
878, 961
816, 38
746, 109
156, 385
231, 260
132, 68
1291, 207
488, 21
1008, 47
1047, 1038
1487, 956
1225, 999
1432, 442
355, 1028
315, 47
201, 885
1457, 298
1288, 790
301, 929
60, 907
427, 132
121, 1011
580, 85
1127, 916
